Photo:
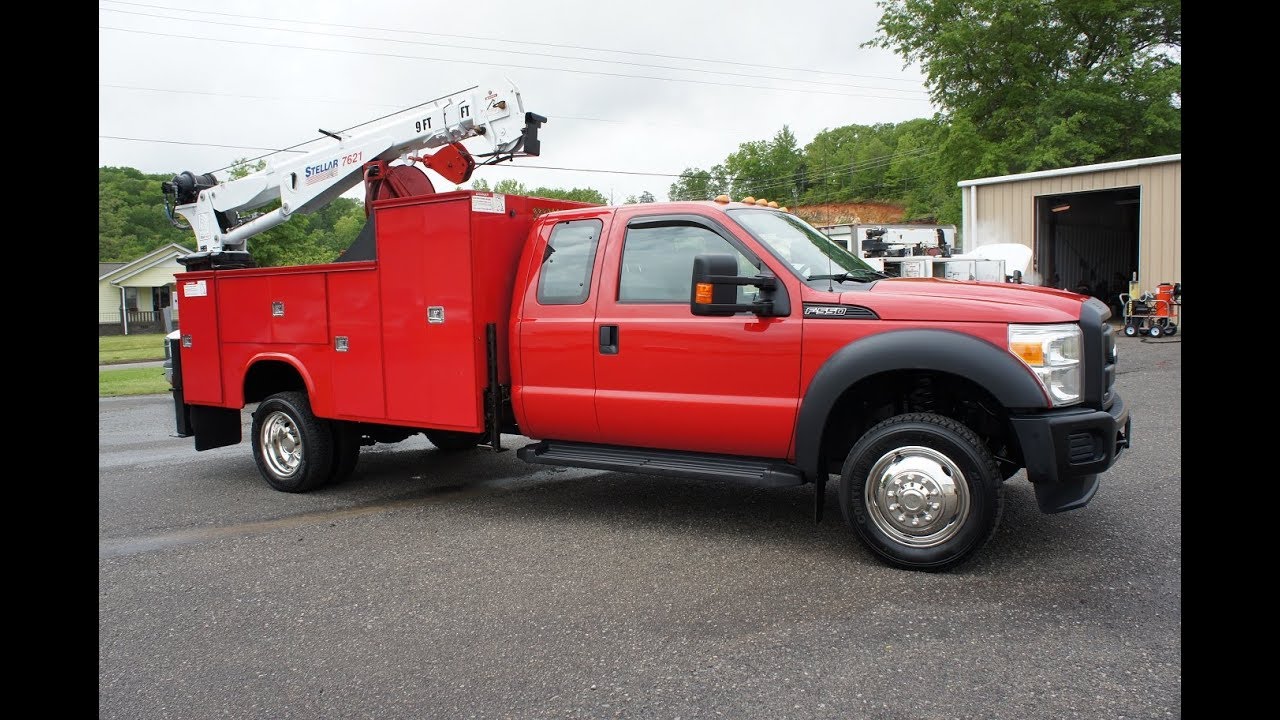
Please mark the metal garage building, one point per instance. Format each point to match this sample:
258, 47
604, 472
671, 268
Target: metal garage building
1090, 226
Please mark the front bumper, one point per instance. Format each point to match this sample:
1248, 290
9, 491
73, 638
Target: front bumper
1065, 450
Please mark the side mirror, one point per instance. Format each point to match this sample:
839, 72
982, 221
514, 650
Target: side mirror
714, 289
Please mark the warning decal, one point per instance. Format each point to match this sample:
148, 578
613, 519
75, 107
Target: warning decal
489, 203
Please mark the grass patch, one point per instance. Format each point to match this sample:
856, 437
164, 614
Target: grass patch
131, 381
130, 348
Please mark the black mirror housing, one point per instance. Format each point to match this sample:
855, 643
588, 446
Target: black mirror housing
714, 287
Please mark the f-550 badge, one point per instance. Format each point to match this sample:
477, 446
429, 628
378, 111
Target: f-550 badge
825, 311
839, 312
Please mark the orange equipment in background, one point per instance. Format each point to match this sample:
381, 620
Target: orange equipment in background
1152, 314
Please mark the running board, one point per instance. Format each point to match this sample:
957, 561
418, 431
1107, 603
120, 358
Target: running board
760, 472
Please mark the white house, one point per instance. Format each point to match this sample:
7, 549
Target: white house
144, 288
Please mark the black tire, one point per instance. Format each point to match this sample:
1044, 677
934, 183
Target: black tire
942, 446
292, 447
1171, 329
451, 441
346, 451
1155, 331
1130, 330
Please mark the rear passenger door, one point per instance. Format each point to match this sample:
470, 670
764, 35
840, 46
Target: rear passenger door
666, 378
556, 388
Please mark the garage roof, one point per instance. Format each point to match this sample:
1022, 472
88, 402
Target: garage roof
1100, 167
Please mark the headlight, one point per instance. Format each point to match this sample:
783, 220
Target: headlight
1053, 353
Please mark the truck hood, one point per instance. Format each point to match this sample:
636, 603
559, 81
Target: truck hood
960, 300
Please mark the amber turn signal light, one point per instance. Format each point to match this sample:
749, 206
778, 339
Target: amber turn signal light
702, 295
1031, 352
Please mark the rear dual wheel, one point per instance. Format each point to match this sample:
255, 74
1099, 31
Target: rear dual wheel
296, 451
922, 491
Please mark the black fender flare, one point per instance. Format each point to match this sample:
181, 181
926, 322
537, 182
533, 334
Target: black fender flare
991, 367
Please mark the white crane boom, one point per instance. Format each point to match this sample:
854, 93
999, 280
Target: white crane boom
308, 182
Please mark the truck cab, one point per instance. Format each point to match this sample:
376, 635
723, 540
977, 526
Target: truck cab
923, 395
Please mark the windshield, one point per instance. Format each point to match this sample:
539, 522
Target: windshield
811, 254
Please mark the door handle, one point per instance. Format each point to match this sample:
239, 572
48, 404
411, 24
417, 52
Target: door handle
608, 339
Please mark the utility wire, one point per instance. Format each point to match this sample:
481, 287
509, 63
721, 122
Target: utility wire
508, 65
514, 52
518, 42
370, 103
251, 97
383, 117
182, 142
868, 164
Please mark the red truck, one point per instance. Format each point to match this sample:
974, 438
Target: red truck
717, 339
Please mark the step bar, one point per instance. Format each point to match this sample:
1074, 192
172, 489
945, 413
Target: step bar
758, 472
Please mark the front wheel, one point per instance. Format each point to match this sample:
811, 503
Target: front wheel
292, 447
922, 491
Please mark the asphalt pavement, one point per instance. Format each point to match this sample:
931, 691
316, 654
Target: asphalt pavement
436, 585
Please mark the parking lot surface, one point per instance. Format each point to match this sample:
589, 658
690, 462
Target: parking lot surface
434, 585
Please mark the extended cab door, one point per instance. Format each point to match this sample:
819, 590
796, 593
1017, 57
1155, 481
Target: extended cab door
666, 378
554, 378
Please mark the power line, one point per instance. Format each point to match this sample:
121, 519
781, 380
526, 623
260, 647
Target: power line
778, 181
273, 151
508, 65
375, 104
828, 196
251, 97
383, 117
182, 142
516, 42
511, 52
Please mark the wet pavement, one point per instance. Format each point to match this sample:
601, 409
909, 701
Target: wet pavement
435, 585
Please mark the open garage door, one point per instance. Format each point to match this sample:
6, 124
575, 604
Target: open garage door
1088, 242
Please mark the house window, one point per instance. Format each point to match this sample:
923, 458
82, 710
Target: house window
131, 299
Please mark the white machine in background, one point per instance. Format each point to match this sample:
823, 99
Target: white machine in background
1001, 262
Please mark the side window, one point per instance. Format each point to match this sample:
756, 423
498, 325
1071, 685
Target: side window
565, 278
657, 263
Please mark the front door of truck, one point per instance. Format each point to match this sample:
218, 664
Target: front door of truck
555, 383
666, 378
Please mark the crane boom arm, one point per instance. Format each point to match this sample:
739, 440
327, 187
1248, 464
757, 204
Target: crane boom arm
307, 183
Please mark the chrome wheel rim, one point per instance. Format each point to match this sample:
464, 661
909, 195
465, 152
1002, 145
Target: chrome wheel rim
281, 444
917, 496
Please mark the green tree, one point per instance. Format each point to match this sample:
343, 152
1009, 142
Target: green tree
644, 197
132, 222
131, 215
510, 186
587, 195
242, 167
698, 184
1036, 84
773, 169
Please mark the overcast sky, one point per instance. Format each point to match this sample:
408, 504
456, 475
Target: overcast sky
642, 87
